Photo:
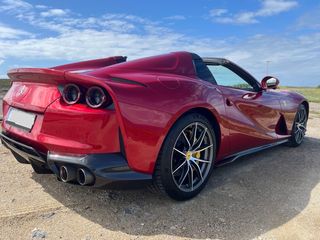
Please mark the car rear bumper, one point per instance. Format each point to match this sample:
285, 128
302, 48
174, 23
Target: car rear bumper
110, 169
71, 129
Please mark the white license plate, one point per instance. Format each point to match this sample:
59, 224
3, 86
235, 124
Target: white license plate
20, 119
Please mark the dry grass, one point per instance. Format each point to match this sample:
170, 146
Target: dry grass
5, 84
312, 94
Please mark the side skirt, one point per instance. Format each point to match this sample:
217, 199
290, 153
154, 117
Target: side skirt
235, 156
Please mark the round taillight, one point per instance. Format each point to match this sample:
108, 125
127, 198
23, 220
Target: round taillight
71, 94
96, 97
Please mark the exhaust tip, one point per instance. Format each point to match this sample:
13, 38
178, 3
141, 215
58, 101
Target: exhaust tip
67, 174
84, 177
63, 173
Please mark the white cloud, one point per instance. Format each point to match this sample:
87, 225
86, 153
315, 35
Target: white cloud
176, 17
54, 13
41, 6
14, 6
246, 18
78, 38
86, 44
273, 7
117, 25
218, 12
1, 61
287, 55
310, 20
11, 33
239, 55
268, 8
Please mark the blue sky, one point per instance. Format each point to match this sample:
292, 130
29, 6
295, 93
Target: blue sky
250, 32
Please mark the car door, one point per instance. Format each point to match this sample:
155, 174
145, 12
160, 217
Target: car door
253, 114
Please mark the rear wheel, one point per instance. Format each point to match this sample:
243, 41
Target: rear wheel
299, 127
187, 157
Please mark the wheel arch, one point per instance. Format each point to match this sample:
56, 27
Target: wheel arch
204, 112
212, 119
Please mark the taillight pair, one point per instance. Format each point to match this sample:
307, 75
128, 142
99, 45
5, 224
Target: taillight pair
95, 96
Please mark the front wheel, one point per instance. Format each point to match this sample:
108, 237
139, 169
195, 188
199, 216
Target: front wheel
299, 127
187, 157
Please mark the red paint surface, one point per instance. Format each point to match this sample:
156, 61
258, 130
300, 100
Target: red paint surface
145, 112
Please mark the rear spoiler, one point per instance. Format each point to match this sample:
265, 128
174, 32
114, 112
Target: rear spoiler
56, 74
91, 64
38, 75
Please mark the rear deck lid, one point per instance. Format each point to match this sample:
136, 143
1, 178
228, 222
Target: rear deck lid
34, 89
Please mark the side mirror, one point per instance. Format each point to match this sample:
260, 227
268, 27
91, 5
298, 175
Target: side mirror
269, 82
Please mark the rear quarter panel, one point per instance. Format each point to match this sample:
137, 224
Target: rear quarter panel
148, 113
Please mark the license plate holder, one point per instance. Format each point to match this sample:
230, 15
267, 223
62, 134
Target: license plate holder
20, 119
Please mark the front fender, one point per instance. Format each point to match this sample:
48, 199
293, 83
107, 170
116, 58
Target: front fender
290, 101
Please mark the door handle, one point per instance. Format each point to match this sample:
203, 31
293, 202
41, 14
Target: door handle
229, 102
251, 96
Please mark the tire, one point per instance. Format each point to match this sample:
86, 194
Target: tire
299, 127
40, 169
179, 171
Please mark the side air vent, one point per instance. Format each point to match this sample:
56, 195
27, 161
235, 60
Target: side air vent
127, 81
281, 127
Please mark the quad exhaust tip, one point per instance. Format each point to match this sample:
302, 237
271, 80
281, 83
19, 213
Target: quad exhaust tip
84, 177
67, 174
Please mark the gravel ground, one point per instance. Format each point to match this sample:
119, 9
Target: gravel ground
274, 194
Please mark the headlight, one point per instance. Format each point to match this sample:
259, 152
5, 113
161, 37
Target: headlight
96, 97
71, 94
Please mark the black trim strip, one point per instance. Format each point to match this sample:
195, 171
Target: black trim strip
122, 80
235, 156
122, 148
23, 150
110, 168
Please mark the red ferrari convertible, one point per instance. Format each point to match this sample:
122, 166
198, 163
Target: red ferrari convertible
167, 119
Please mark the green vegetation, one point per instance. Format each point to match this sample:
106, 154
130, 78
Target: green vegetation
312, 94
5, 84
242, 85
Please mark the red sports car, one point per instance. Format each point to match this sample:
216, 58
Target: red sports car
169, 119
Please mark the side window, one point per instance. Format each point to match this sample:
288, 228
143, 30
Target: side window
225, 77
202, 71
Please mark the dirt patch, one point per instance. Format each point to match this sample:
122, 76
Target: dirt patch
274, 194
